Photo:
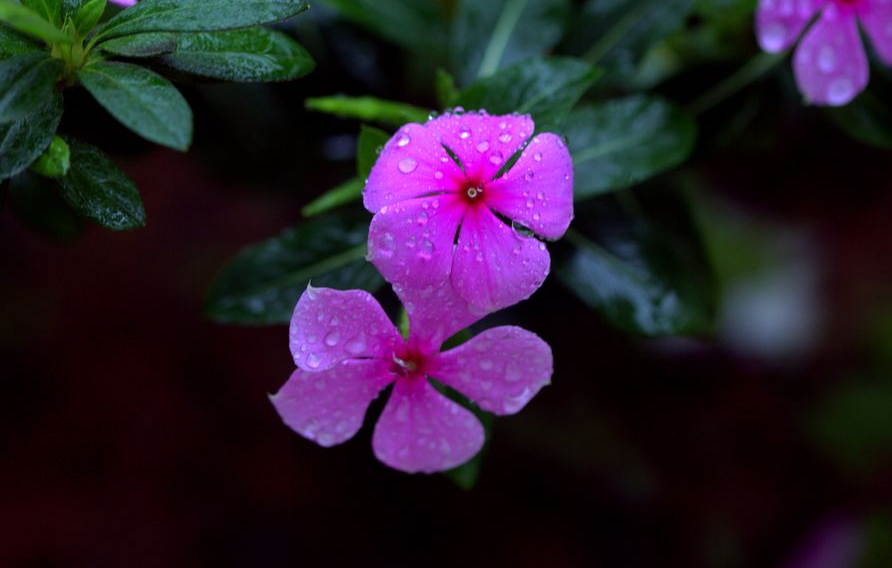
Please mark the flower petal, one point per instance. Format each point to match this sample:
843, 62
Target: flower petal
329, 326
538, 190
421, 430
328, 407
494, 266
876, 17
830, 63
411, 243
412, 164
436, 313
500, 369
779, 23
482, 143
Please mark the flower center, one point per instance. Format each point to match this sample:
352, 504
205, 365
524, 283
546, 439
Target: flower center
407, 364
473, 191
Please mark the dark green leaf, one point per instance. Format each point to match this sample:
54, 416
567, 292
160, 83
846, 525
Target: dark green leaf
369, 109
88, 16
447, 92
141, 100
141, 45
371, 140
197, 16
14, 43
98, 190
619, 32
622, 142
344, 193
867, 119
30, 23
36, 202
55, 160
22, 141
644, 270
545, 88
26, 84
414, 24
49, 10
263, 282
488, 36
877, 541
250, 55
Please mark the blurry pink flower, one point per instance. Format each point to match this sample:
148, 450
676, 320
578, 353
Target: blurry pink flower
830, 62
437, 221
347, 351
123, 2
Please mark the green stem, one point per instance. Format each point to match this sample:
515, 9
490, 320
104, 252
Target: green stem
750, 72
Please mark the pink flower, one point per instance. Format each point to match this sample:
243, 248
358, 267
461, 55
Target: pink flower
436, 220
347, 351
123, 2
830, 62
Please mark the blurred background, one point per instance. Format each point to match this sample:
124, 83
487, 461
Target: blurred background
135, 432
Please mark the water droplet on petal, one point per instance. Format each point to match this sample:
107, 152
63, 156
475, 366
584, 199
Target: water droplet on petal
537, 156
426, 252
505, 138
332, 338
407, 165
387, 244
496, 158
464, 134
411, 242
840, 91
483, 146
521, 230
438, 175
403, 141
356, 345
313, 361
529, 175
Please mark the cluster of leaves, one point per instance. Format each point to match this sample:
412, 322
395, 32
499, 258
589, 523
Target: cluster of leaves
47, 46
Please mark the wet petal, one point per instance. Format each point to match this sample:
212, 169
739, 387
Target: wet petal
830, 63
501, 369
328, 406
538, 190
495, 265
876, 17
329, 326
412, 164
411, 243
436, 313
482, 143
421, 430
779, 23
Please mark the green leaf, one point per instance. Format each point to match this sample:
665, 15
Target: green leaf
141, 100
96, 189
447, 92
546, 88
369, 109
853, 425
141, 45
488, 36
624, 30
263, 282
413, 24
14, 43
645, 270
350, 190
867, 119
49, 10
55, 160
26, 84
88, 16
197, 16
247, 56
371, 140
625, 141
37, 203
23, 141
31, 23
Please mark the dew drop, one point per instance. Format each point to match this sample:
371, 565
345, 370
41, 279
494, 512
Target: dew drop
505, 138
313, 361
407, 165
464, 134
387, 244
840, 91
483, 146
529, 175
496, 158
356, 345
411, 242
537, 156
426, 251
403, 141
521, 230
438, 175
332, 338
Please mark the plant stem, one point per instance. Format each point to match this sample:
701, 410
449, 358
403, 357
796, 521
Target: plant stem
751, 71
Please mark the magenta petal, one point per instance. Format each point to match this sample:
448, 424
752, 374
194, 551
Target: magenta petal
329, 326
495, 266
412, 164
501, 369
123, 2
538, 190
876, 17
328, 407
421, 430
436, 313
482, 143
779, 23
411, 243
830, 63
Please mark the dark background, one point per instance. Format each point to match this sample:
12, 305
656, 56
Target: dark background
133, 432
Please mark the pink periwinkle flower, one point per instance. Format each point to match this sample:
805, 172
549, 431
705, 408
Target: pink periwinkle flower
347, 351
124, 2
437, 220
830, 62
